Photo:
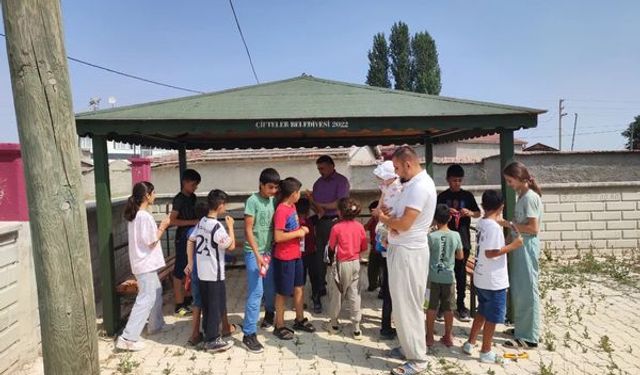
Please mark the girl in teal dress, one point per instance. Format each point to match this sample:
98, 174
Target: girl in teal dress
523, 264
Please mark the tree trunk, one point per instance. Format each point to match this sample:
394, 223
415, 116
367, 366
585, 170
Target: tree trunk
46, 126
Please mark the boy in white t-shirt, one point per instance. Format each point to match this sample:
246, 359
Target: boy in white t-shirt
211, 242
490, 276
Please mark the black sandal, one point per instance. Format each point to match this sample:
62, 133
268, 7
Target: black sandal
520, 344
510, 331
283, 333
303, 325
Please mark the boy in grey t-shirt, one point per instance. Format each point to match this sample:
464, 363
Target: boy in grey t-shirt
445, 247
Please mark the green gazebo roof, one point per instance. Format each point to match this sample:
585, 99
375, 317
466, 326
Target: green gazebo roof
303, 111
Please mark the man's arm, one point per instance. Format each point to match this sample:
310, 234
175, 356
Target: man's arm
401, 224
175, 222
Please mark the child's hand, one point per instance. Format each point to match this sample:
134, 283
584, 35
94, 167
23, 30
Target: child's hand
492, 253
164, 224
229, 220
305, 230
260, 261
453, 211
465, 212
188, 269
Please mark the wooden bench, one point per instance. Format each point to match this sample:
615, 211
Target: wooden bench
129, 287
471, 262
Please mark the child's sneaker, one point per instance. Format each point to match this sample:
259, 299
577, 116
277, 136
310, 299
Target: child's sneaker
357, 335
491, 357
467, 348
132, 346
217, 345
182, 311
252, 344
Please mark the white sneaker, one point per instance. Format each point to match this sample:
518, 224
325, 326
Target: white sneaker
132, 346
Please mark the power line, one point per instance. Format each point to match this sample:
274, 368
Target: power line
129, 75
253, 69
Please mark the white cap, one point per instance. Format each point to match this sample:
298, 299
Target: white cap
385, 171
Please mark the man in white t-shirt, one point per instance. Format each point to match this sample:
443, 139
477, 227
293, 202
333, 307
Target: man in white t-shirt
408, 257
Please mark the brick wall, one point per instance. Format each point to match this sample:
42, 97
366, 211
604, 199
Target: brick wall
19, 319
598, 215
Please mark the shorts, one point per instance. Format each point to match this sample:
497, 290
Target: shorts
181, 257
195, 287
288, 274
492, 304
440, 296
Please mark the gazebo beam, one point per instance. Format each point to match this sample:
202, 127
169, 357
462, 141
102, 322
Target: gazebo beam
506, 157
110, 301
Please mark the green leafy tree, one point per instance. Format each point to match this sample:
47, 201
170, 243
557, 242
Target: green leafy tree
378, 74
400, 54
425, 70
632, 134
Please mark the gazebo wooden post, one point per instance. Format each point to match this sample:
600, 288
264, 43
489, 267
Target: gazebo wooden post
506, 157
182, 162
110, 301
428, 155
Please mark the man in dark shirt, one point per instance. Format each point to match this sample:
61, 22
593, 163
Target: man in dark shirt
462, 206
183, 215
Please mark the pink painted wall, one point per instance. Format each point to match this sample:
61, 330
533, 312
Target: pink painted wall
140, 170
13, 190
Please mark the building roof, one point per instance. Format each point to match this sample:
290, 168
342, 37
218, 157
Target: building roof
492, 139
540, 147
303, 111
254, 154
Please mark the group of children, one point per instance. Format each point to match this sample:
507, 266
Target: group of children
278, 250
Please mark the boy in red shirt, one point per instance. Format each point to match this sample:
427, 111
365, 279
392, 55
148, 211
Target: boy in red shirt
346, 241
288, 270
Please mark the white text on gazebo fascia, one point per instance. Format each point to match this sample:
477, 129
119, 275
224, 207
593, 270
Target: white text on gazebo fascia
303, 124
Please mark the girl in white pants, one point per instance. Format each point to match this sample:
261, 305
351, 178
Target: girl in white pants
146, 258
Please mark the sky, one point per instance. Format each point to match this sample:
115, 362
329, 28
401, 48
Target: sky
528, 53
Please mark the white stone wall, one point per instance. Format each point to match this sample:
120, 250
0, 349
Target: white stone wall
19, 319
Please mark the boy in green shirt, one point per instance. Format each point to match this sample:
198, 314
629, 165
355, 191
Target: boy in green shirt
445, 247
258, 219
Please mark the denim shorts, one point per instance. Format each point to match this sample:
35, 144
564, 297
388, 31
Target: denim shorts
288, 274
492, 304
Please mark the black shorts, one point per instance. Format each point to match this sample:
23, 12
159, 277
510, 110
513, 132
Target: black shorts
288, 274
181, 257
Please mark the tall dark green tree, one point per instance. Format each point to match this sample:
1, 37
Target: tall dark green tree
378, 74
400, 54
425, 70
632, 134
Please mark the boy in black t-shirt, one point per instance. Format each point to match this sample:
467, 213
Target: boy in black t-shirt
463, 207
183, 215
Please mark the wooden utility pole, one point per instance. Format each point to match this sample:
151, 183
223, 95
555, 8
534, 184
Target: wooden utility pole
560, 116
57, 214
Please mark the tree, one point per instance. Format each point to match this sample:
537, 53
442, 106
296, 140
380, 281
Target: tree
632, 134
378, 74
425, 70
400, 53
57, 213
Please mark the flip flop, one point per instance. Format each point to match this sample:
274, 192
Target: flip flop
194, 341
445, 342
510, 331
406, 369
516, 356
